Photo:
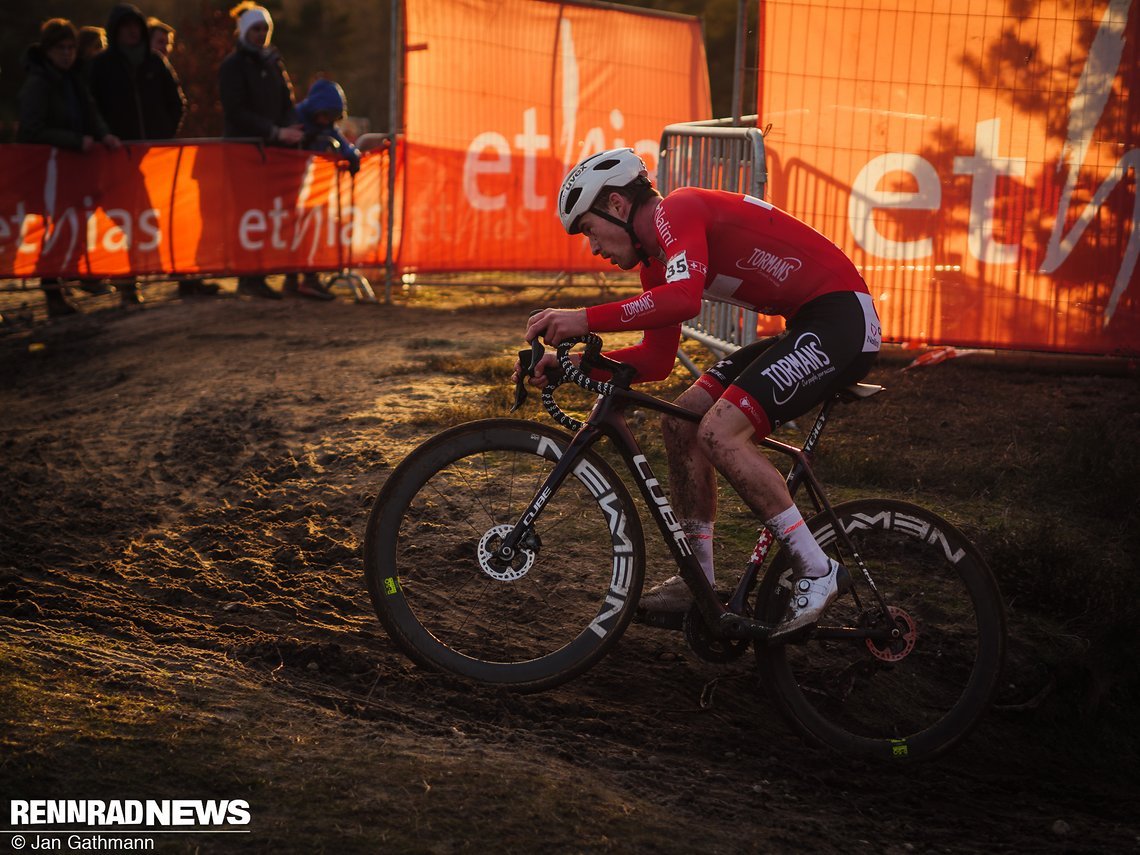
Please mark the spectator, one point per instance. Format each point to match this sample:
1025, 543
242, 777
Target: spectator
92, 42
322, 108
57, 109
161, 37
257, 99
136, 90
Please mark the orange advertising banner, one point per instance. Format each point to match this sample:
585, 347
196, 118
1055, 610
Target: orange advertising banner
976, 159
504, 96
210, 208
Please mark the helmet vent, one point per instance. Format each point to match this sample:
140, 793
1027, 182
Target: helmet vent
610, 163
571, 199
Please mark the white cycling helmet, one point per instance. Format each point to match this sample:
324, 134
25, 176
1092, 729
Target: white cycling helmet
614, 168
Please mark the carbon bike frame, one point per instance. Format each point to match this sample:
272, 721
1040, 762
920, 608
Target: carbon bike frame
607, 418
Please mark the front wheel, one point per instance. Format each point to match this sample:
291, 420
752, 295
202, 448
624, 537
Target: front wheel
447, 599
909, 697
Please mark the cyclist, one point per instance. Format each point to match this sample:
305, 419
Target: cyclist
744, 250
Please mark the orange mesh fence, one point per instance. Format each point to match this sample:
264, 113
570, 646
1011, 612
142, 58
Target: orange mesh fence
184, 209
977, 160
503, 96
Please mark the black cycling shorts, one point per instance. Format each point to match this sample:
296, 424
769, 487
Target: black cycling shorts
830, 343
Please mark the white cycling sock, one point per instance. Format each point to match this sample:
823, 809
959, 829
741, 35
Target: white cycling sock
700, 535
792, 532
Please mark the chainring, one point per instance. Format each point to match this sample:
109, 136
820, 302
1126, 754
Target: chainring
718, 651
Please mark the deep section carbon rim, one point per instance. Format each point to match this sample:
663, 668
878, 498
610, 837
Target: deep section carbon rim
911, 696
447, 599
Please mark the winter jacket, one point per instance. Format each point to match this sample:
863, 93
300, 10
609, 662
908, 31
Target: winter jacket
139, 101
257, 95
326, 96
55, 106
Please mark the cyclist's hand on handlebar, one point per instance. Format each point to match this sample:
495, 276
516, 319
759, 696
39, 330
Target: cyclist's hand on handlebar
546, 372
557, 325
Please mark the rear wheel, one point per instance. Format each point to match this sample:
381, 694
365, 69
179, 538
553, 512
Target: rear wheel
911, 696
450, 603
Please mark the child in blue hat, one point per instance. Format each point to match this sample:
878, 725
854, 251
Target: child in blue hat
318, 114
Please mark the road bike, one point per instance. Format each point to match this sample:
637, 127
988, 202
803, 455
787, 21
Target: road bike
511, 553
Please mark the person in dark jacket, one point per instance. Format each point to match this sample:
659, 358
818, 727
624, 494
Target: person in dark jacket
257, 99
57, 109
92, 42
136, 90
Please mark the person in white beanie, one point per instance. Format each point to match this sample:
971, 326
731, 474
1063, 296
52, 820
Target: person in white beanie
257, 99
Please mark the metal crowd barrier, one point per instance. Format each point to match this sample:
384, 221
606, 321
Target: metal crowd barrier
718, 156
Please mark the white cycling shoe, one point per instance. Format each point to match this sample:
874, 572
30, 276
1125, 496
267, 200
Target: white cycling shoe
809, 600
672, 595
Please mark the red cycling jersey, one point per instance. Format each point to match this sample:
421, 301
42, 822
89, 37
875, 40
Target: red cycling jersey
735, 248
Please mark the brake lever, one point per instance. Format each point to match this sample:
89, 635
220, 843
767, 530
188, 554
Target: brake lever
528, 361
525, 370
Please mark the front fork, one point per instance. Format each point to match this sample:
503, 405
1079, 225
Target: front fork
605, 419
583, 439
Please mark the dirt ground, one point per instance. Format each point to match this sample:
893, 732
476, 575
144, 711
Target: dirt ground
183, 614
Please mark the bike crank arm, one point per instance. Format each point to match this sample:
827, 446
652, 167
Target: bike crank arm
881, 634
739, 627
729, 625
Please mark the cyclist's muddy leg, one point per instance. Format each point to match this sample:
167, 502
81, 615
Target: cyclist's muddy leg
692, 478
726, 436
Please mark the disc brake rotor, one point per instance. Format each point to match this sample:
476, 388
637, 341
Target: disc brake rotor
503, 570
896, 649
